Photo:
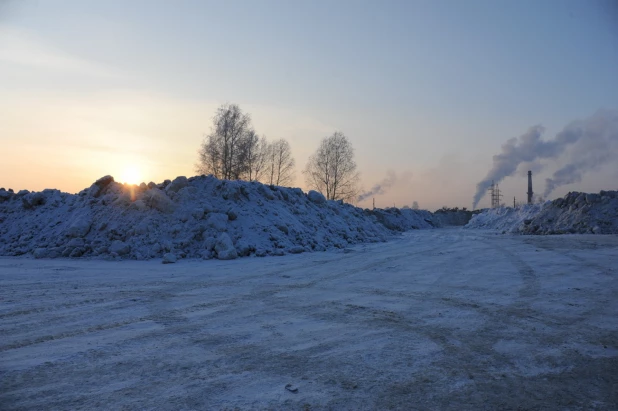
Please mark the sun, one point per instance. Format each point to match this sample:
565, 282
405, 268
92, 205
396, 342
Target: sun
131, 175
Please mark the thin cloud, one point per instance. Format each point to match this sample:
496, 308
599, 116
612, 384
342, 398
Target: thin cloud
22, 48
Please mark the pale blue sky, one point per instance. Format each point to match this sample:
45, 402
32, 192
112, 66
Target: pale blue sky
431, 88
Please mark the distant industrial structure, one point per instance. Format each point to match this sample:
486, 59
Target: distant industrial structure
495, 195
530, 193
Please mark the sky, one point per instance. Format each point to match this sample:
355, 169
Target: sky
427, 90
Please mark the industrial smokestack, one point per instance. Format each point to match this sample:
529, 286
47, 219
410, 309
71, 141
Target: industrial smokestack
592, 142
530, 187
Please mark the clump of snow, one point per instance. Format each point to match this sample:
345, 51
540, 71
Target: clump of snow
178, 184
574, 213
5, 195
225, 248
316, 197
79, 227
156, 199
169, 258
98, 186
197, 217
32, 200
119, 248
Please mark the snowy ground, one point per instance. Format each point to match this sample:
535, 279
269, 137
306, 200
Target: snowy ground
438, 319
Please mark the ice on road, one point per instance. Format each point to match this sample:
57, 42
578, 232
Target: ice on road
438, 319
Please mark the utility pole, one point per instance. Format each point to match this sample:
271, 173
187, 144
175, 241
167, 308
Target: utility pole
513, 202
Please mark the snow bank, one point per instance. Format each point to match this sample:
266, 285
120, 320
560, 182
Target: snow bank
198, 217
504, 218
574, 213
402, 219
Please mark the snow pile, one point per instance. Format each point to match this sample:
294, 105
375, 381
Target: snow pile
198, 217
506, 219
577, 213
574, 213
402, 219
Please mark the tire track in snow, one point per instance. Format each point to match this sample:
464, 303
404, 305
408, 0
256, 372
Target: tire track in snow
38, 310
394, 355
182, 287
546, 244
174, 316
531, 281
396, 252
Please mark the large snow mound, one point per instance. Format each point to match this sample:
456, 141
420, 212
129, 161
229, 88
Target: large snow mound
574, 213
197, 217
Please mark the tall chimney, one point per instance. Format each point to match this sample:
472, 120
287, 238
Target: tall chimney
530, 187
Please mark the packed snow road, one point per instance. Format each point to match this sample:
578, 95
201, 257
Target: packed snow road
437, 319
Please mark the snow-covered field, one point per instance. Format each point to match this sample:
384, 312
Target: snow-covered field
436, 319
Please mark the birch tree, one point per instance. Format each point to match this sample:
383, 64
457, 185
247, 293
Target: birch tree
280, 163
224, 151
331, 170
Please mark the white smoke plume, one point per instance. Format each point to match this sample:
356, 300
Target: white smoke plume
598, 147
381, 187
528, 148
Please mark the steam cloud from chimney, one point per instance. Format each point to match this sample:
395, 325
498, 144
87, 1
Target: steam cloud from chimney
596, 139
599, 147
381, 187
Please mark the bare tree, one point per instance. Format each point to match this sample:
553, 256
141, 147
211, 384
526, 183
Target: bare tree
209, 158
233, 151
280, 163
256, 156
224, 151
331, 170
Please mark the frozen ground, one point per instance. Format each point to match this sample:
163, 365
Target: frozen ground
437, 319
